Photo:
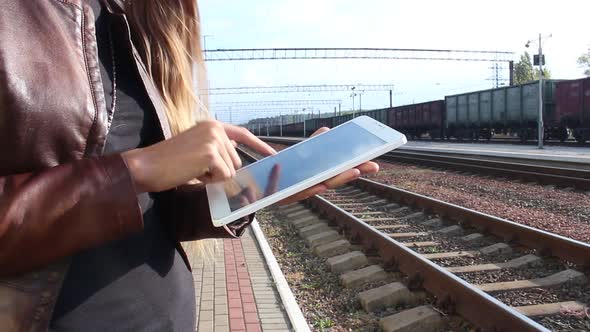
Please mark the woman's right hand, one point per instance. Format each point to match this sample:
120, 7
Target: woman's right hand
204, 152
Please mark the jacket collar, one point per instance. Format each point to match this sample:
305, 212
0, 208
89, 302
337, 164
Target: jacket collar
115, 6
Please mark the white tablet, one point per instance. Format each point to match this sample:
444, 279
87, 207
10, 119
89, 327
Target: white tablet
299, 167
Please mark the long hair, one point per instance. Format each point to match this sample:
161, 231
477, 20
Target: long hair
167, 34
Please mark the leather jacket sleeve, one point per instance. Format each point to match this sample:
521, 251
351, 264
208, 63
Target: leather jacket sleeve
47, 215
192, 220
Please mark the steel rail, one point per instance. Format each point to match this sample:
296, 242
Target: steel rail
566, 177
452, 293
547, 243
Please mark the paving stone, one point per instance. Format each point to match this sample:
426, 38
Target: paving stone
417, 319
335, 248
496, 249
279, 327
314, 229
473, 238
451, 230
205, 326
346, 262
385, 296
372, 273
322, 238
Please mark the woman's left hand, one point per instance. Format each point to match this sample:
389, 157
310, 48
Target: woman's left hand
337, 181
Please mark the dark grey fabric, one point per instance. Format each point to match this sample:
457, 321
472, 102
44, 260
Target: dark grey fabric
139, 283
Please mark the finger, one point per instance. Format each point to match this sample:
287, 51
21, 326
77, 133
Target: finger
234, 143
237, 162
218, 171
273, 180
342, 178
243, 136
370, 167
243, 201
319, 131
315, 190
226, 158
250, 194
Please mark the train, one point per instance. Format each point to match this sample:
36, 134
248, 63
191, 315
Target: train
506, 111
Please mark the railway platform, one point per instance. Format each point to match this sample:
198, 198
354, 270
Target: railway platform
551, 153
235, 290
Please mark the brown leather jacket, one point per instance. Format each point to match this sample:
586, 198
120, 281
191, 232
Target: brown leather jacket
58, 193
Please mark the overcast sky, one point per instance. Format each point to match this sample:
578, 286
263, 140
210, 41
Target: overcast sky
472, 25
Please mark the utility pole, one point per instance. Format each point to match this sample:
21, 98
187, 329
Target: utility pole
266, 127
541, 129
390, 98
281, 125
353, 95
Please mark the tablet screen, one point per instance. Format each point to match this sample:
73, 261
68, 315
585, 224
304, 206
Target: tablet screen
300, 162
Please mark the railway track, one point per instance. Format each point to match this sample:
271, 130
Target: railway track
466, 260
565, 177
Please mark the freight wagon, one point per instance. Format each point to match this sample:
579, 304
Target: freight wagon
481, 114
505, 110
418, 119
572, 108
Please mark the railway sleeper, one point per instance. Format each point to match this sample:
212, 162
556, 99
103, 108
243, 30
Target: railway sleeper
556, 279
527, 260
556, 308
423, 318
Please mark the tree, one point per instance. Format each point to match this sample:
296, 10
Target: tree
584, 61
524, 71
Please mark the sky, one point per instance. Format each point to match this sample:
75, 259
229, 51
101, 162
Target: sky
498, 25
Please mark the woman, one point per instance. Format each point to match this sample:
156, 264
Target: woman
99, 145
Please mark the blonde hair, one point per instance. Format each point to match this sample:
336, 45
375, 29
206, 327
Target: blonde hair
167, 34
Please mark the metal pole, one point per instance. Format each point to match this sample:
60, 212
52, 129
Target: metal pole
267, 127
339, 109
541, 133
281, 125
390, 98
304, 126
353, 104
360, 102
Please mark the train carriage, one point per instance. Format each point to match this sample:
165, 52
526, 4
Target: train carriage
418, 119
572, 109
513, 109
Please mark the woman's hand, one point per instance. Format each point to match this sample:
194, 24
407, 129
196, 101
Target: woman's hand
205, 152
337, 181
